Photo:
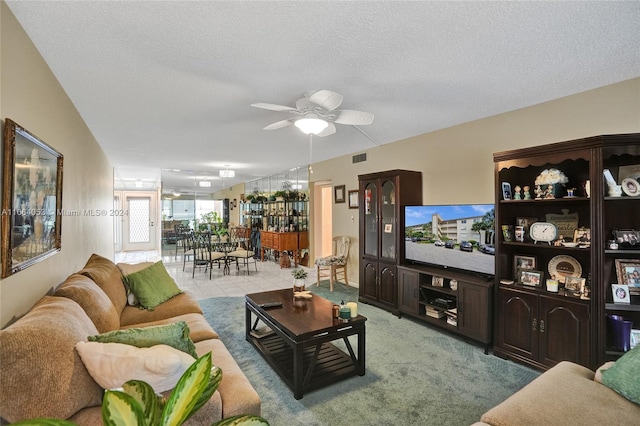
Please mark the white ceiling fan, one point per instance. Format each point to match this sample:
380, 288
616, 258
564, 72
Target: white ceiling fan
319, 108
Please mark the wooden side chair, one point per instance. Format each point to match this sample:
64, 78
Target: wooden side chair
335, 264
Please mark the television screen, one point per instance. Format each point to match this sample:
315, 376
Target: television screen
459, 236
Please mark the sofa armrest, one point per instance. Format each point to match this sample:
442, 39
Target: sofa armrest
564, 395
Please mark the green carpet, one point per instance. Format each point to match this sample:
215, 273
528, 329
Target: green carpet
415, 374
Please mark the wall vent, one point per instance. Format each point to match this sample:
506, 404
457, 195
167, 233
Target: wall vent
359, 158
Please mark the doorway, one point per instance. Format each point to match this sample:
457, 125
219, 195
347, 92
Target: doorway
139, 230
323, 228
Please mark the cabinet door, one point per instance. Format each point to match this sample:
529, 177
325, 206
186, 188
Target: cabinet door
389, 221
518, 323
473, 311
408, 286
370, 211
369, 279
388, 292
563, 332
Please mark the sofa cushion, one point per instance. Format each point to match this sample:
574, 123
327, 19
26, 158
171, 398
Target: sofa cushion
107, 275
113, 364
41, 375
175, 335
152, 286
95, 302
624, 375
179, 305
130, 268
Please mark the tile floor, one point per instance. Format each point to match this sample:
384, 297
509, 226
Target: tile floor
268, 277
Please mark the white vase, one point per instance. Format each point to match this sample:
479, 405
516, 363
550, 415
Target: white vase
299, 284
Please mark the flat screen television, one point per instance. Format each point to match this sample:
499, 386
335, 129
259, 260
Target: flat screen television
456, 236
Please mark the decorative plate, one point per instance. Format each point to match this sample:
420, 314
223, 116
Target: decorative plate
631, 187
563, 266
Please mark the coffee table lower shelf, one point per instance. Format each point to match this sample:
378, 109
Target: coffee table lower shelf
331, 364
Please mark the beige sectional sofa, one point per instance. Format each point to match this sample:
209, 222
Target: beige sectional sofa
42, 374
568, 394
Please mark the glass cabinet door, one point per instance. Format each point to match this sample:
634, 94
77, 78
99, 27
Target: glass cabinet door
371, 219
388, 220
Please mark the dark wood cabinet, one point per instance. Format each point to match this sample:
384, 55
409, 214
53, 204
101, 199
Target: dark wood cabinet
542, 330
470, 299
383, 197
541, 327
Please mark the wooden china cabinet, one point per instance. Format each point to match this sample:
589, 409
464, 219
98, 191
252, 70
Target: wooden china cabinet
383, 196
532, 324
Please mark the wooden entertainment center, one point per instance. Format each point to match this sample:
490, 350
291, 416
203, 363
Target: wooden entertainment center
469, 296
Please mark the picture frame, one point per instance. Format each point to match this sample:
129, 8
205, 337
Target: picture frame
353, 199
620, 293
506, 191
31, 199
531, 277
523, 262
388, 228
338, 193
628, 272
574, 284
582, 236
631, 171
437, 281
635, 337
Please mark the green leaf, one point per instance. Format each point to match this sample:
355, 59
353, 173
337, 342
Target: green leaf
187, 392
120, 409
215, 377
243, 419
44, 422
149, 401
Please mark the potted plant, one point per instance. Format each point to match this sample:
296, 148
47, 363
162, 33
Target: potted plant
299, 277
279, 195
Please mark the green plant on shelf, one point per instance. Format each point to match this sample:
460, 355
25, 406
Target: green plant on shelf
299, 273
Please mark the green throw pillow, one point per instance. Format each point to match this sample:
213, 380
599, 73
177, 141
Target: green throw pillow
623, 375
175, 335
152, 286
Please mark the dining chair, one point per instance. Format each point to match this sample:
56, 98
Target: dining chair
241, 248
206, 254
335, 264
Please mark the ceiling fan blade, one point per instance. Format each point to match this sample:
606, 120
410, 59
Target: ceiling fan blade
279, 125
272, 107
355, 118
331, 129
326, 99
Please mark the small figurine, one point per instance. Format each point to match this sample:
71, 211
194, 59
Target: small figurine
527, 194
516, 193
539, 192
549, 192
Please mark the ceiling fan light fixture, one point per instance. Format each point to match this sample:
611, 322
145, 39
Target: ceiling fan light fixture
311, 126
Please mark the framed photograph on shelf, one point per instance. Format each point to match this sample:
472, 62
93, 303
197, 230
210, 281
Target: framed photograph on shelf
635, 337
574, 284
353, 199
437, 281
628, 272
582, 236
506, 191
521, 262
531, 277
620, 293
338, 192
31, 199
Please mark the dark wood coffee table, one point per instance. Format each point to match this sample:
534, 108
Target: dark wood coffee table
297, 339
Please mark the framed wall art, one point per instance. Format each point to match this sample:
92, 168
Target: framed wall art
338, 192
31, 199
353, 199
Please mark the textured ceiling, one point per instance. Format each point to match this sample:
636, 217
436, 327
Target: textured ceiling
168, 85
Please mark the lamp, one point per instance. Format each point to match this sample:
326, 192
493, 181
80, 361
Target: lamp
311, 125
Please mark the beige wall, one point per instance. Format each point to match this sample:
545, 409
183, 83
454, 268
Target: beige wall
457, 163
32, 97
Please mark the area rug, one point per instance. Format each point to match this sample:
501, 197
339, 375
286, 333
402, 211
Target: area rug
415, 374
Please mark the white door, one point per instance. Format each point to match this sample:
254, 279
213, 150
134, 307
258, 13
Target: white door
139, 232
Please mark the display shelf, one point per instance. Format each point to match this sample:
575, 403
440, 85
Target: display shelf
582, 336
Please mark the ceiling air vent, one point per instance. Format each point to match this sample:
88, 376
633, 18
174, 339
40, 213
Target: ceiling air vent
359, 158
